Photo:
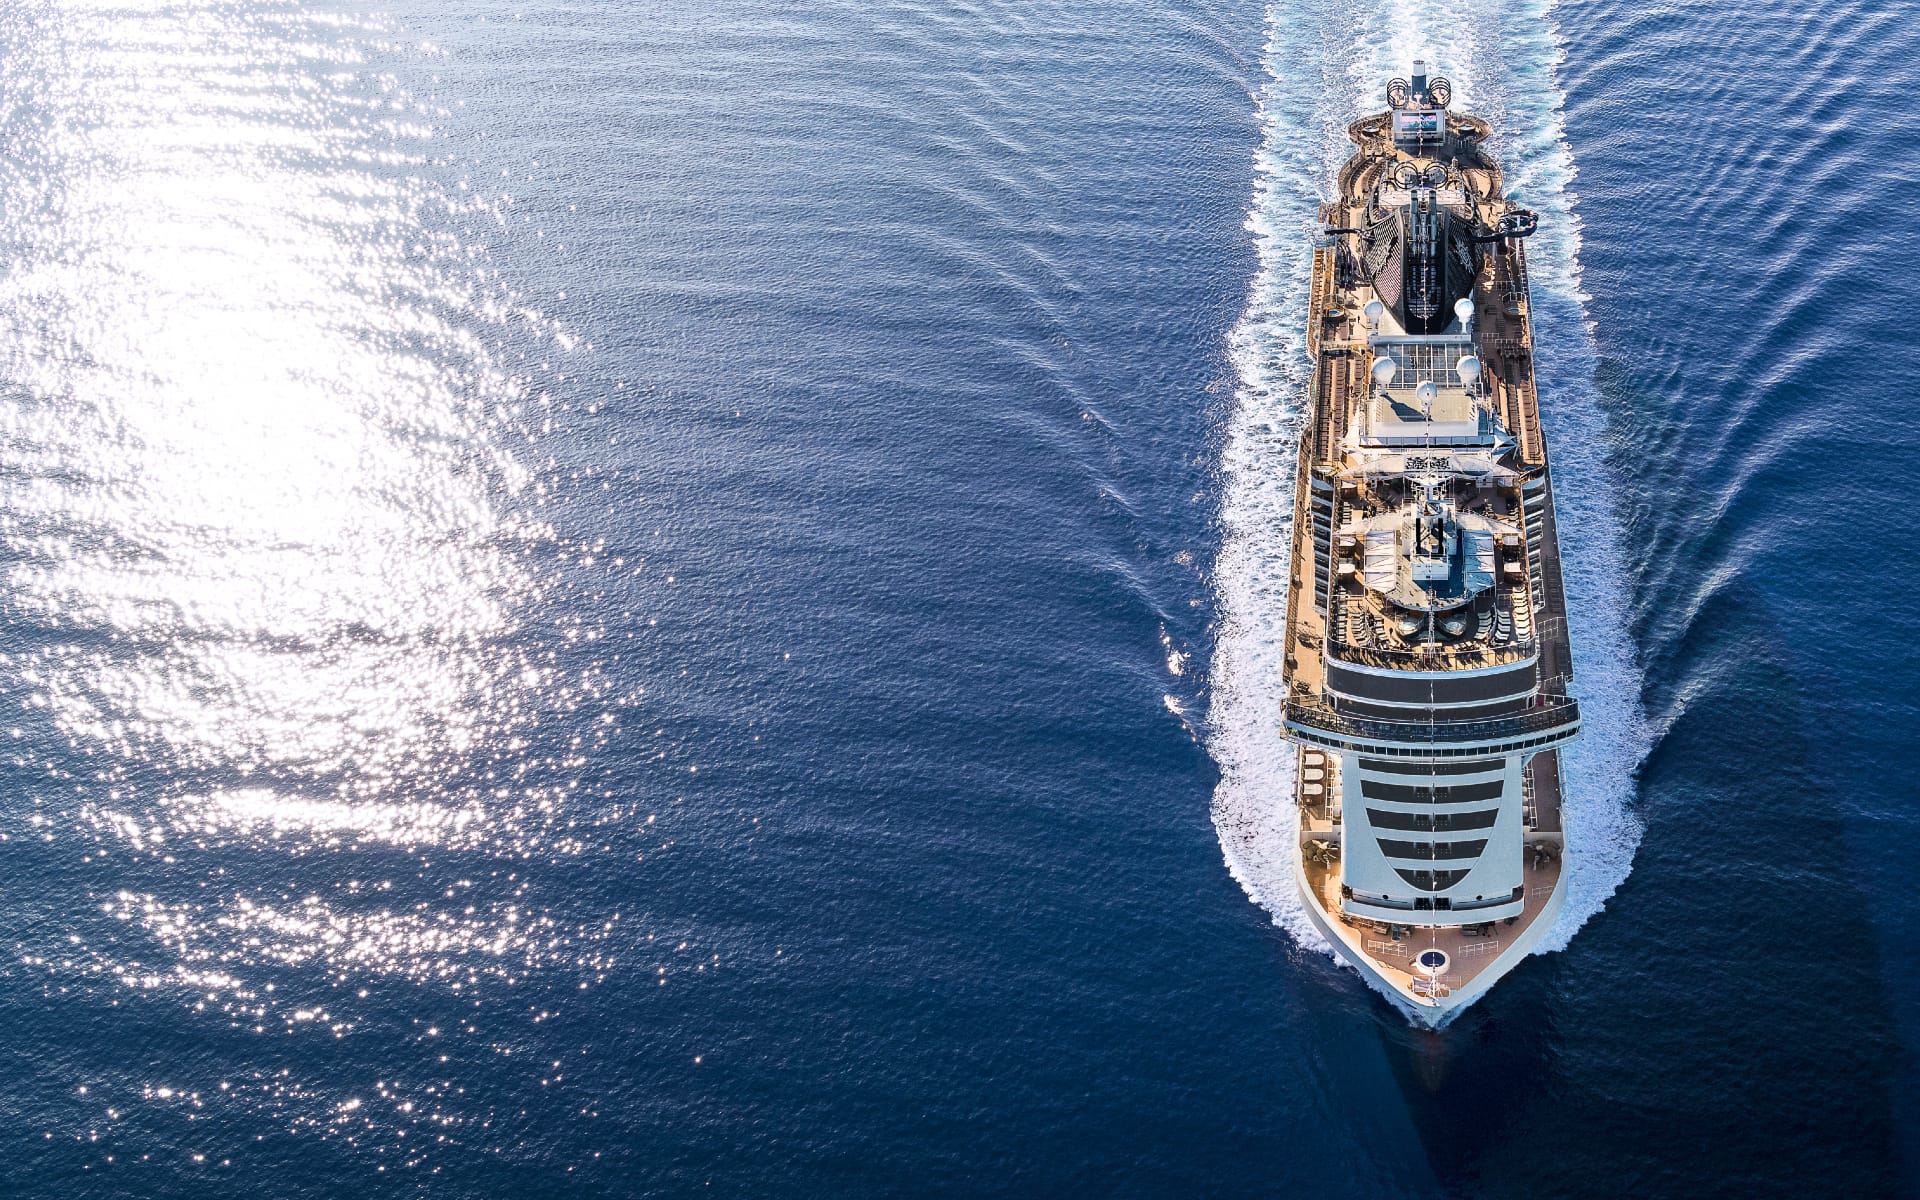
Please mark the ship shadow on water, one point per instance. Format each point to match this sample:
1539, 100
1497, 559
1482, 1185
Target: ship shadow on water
1730, 1037
1460, 1085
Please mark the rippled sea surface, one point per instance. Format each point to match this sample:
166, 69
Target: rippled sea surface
643, 599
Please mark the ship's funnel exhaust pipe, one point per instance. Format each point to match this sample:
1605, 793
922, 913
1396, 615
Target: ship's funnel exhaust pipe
1420, 80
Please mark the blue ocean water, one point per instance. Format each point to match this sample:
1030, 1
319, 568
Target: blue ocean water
649, 599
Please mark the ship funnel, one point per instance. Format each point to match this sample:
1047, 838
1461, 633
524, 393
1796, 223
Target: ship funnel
1463, 308
1373, 311
1383, 371
1420, 79
1468, 369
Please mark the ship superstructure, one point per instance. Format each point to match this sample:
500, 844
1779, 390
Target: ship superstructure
1427, 654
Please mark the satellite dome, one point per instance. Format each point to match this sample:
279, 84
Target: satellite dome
1383, 371
1463, 308
1373, 311
1426, 394
1468, 369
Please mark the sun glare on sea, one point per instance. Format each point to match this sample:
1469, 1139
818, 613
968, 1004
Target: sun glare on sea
265, 557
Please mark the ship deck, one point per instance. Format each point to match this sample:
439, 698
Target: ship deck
1334, 494
1470, 949
1337, 340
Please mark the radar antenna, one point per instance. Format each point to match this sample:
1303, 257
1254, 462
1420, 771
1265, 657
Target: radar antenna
1520, 223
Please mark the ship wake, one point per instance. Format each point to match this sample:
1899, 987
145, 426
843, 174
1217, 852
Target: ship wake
1325, 66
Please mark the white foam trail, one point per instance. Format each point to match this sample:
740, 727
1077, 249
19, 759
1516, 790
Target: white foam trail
1327, 65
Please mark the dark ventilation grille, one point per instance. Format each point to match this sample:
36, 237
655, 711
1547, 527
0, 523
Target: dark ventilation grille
1382, 260
1432, 851
1401, 793
1389, 767
1431, 881
1380, 818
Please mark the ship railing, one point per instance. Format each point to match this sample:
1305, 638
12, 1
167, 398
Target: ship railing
1414, 660
1548, 715
1320, 296
1513, 285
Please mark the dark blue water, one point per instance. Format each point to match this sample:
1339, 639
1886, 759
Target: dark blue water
641, 600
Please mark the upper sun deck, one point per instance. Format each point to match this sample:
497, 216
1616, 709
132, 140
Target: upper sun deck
1427, 570
1425, 516
1423, 400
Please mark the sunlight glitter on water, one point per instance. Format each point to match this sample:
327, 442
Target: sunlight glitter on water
266, 539
233, 445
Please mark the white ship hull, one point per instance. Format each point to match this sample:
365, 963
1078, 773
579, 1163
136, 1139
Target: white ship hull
1434, 1009
1428, 660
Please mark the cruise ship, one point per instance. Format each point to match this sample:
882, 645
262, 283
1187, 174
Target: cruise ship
1427, 656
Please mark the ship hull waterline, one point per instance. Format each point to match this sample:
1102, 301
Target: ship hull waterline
1434, 1012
